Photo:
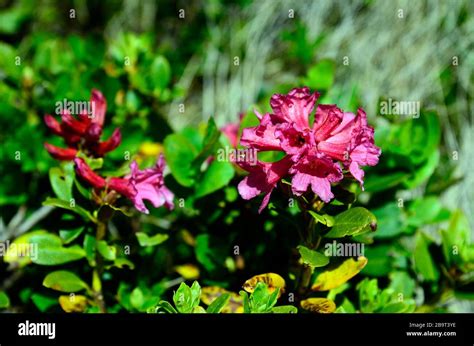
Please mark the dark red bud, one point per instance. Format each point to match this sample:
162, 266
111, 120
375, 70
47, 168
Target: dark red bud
63, 154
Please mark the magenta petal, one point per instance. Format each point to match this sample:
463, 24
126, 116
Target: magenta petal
295, 107
262, 178
149, 185
261, 137
357, 172
99, 105
317, 172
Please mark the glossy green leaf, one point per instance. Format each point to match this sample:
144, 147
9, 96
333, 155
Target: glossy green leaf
107, 251
218, 304
55, 202
61, 179
180, 154
217, 175
166, 306
58, 255
352, 222
70, 235
145, 240
312, 257
159, 72
64, 281
325, 219
187, 298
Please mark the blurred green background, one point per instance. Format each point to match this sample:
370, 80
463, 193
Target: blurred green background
165, 65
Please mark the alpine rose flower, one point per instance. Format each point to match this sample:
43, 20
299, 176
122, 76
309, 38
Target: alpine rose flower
317, 155
138, 186
83, 132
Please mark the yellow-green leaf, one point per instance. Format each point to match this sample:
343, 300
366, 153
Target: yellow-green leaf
187, 271
319, 305
337, 276
272, 280
64, 281
352, 222
73, 303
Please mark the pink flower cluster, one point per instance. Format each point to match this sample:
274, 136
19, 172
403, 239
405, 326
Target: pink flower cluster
83, 134
316, 155
138, 186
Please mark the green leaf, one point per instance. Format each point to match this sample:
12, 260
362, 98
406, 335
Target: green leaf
90, 248
245, 301
217, 175
423, 211
424, 263
121, 263
401, 282
180, 154
218, 304
422, 173
61, 181
69, 235
209, 143
43, 302
159, 72
58, 255
166, 306
64, 281
199, 310
12, 18
195, 294
42, 248
352, 222
312, 257
285, 309
325, 219
136, 298
108, 252
187, 298
55, 202
456, 239
4, 300
261, 300
145, 240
